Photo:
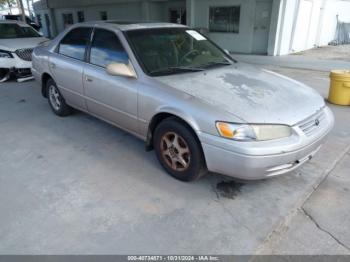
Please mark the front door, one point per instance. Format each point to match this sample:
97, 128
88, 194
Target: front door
262, 26
112, 98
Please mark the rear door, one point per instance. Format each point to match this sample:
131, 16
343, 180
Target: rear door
113, 98
67, 64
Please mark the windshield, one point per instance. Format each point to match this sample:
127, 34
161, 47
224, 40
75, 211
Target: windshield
168, 51
8, 31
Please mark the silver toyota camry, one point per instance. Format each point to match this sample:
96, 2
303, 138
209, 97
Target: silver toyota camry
189, 100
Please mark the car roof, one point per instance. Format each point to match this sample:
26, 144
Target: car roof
12, 22
130, 25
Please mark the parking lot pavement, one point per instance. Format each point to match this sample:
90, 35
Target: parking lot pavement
319, 60
339, 52
77, 185
321, 225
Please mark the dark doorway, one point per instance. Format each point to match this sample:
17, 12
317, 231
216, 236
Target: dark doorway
177, 16
67, 20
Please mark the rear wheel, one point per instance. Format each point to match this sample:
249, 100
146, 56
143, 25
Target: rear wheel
178, 150
56, 100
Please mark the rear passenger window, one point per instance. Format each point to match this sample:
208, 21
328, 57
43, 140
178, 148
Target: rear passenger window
106, 48
75, 42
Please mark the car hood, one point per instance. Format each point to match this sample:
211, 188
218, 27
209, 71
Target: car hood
252, 94
19, 43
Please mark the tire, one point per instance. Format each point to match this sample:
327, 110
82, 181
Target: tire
56, 100
184, 159
4, 74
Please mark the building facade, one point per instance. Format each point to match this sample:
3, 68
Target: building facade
273, 27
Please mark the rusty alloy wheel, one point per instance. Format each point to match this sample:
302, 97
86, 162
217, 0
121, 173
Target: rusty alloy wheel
54, 97
175, 151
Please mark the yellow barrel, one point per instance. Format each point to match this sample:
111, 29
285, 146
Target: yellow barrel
339, 92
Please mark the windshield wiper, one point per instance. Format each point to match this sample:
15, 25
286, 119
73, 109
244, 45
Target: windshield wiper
213, 64
176, 69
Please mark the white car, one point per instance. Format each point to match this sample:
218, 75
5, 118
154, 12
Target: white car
17, 41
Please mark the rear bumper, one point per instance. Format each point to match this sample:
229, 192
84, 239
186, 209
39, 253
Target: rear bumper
270, 160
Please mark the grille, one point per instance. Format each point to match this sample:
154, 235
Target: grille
25, 54
314, 123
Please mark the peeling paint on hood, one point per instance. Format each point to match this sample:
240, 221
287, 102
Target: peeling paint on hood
253, 94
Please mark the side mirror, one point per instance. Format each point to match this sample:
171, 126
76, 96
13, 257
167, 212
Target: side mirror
120, 69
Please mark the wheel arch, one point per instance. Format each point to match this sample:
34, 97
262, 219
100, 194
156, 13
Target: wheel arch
161, 116
44, 78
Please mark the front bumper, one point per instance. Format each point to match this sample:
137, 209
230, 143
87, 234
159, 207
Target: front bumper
260, 160
16, 66
14, 62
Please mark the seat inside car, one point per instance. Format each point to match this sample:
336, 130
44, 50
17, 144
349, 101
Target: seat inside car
158, 54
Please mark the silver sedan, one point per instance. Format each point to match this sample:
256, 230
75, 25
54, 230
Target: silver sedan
188, 99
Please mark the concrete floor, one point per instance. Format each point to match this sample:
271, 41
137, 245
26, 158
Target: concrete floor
321, 224
77, 185
324, 59
340, 52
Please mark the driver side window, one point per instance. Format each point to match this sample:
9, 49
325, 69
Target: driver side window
106, 48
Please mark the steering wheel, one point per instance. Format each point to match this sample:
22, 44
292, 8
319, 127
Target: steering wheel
191, 53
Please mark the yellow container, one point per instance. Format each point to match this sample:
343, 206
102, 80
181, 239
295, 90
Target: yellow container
339, 92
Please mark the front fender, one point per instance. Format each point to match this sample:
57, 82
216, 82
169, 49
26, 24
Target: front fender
180, 114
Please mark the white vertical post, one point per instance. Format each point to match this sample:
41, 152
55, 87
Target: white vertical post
190, 11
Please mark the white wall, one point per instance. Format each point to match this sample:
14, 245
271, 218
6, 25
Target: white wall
285, 32
329, 23
305, 24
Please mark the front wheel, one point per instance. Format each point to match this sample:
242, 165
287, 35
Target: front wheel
179, 151
56, 100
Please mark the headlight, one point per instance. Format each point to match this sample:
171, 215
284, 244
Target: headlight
5, 54
245, 132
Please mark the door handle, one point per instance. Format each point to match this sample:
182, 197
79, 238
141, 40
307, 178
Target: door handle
88, 79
